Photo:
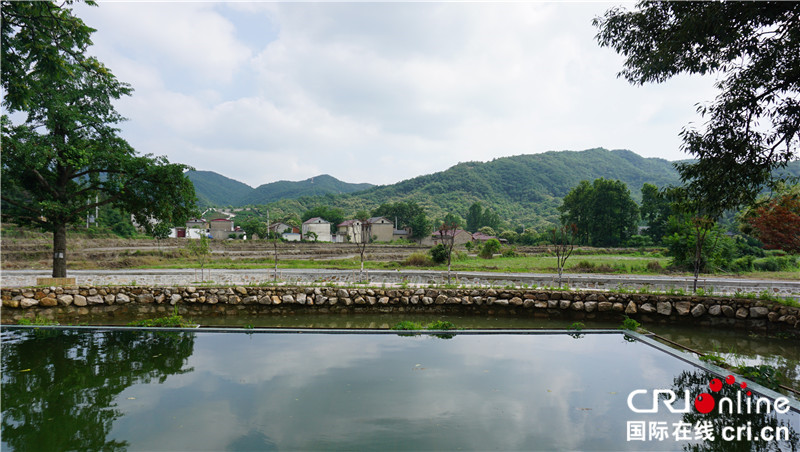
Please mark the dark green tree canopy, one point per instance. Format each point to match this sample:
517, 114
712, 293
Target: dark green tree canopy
754, 49
603, 213
67, 157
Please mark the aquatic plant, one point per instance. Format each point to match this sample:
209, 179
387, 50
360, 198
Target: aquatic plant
630, 324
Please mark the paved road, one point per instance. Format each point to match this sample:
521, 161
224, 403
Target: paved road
15, 278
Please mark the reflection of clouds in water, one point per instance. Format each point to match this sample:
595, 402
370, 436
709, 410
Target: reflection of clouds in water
306, 391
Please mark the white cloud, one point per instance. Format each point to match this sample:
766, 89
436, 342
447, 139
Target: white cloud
376, 92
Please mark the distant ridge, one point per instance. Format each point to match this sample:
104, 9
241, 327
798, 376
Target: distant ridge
523, 189
215, 190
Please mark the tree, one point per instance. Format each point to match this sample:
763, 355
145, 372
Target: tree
777, 222
420, 226
447, 231
366, 236
66, 158
478, 218
489, 248
754, 50
655, 211
603, 211
200, 249
160, 232
563, 239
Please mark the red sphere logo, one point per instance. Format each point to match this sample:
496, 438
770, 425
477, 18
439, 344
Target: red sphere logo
704, 403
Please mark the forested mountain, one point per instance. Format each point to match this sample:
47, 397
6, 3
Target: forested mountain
523, 190
214, 189
315, 186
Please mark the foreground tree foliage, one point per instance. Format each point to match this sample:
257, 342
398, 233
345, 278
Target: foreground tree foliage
753, 48
67, 157
777, 222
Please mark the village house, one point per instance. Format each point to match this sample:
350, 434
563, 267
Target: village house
349, 231
480, 237
460, 237
319, 227
381, 229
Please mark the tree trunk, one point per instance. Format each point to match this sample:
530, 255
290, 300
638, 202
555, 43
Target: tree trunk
60, 251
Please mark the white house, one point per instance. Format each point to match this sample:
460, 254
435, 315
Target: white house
319, 227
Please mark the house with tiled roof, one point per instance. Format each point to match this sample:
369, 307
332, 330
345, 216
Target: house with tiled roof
319, 227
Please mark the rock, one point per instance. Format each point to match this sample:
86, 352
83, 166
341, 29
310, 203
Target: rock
109, 299
250, 300
287, 299
266, 299
301, 298
65, 300
590, 306
552, 304
441, 299
11, 303
241, 291
191, 290
234, 299
276, 299
144, 298
516, 301
453, 300
540, 304
773, 316
631, 308
530, 302
122, 298
756, 312
715, 310
647, 308
414, 299
501, 302
28, 302
383, 300
333, 300
741, 313
564, 304
617, 306
341, 293
577, 306
664, 307
427, 300
79, 300
698, 310
683, 307
727, 311
97, 299
347, 301
210, 300
604, 306
48, 302
174, 298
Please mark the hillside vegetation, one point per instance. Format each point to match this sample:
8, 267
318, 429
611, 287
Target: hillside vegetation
523, 190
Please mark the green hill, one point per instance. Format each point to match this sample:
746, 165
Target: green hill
216, 190
315, 186
523, 190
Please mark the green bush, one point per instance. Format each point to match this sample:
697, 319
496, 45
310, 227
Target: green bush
510, 252
441, 325
489, 248
439, 253
418, 260
743, 264
639, 241
407, 325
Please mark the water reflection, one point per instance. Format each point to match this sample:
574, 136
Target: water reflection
235, 391
60, 389
736, 415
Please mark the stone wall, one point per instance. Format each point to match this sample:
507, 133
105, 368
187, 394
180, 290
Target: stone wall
726, 311
228, 277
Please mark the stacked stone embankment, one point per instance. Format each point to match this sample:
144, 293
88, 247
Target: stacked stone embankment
252, 300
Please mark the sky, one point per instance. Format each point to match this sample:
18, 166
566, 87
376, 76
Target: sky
377, 92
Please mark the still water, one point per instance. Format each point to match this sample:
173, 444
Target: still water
144, 390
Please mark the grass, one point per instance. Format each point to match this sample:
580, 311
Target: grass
37, 321
172, 321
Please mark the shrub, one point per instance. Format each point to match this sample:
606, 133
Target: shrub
510, 252
630, 324
407, 325
655, 267
439, 253
418, 260
441, 325
743, 264
489, 248
639, 241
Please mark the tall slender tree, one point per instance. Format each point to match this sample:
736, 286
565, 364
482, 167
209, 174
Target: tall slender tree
66, 157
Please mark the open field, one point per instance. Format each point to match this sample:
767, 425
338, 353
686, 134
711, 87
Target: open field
27, 250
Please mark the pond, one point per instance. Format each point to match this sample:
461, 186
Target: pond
92, 389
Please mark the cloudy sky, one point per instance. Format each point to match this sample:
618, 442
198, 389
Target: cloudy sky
376, 92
